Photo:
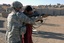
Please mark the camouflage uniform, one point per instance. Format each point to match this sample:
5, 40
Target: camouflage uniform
15, 24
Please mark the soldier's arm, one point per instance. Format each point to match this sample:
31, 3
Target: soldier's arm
31, 20
28, 20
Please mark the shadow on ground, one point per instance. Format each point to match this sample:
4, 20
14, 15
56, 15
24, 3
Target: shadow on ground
2, 23
50, 24
46, 24
51, 35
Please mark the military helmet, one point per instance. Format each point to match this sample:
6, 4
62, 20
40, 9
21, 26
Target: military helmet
17, 4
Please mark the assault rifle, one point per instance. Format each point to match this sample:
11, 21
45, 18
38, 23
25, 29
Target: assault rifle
36, 15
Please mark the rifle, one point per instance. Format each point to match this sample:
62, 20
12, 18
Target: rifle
36, 15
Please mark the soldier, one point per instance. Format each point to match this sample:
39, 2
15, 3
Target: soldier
16, 21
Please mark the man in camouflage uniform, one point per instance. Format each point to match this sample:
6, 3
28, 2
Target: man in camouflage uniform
16, 21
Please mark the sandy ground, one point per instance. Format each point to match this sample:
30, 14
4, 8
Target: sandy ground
51, 31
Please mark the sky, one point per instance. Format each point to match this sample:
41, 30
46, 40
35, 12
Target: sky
33, 2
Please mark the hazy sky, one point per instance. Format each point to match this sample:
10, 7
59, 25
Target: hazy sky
34, 2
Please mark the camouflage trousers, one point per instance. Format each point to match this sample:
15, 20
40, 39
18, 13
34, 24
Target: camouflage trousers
14, 42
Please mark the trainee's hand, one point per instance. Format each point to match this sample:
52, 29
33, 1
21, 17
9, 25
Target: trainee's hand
22, 35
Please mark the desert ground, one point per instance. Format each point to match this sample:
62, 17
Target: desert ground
51, 31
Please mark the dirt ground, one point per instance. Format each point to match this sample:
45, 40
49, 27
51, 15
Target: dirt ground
51, 31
